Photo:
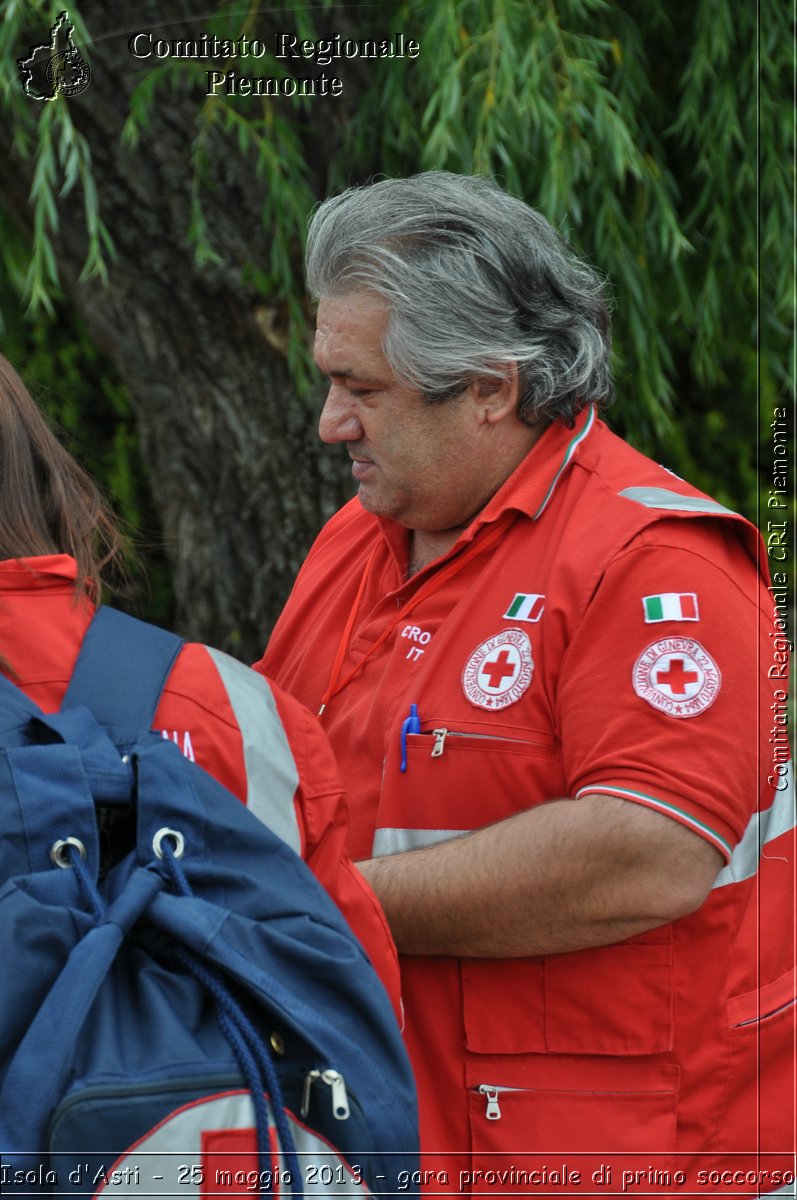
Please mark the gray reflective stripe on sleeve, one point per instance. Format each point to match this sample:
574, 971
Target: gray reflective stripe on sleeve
394, 841
762, 827
271, 774
654, 497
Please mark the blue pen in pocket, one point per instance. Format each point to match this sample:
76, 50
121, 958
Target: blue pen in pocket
411, 724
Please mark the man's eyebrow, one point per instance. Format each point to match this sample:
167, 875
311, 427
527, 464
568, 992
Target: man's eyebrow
349, 373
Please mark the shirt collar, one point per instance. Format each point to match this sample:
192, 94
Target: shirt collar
530, 487
41, 571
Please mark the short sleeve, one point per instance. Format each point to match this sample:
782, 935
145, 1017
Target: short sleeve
663, 690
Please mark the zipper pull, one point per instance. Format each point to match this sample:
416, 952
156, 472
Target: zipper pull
493, 1112
340, 1099
439, 741
337, 1085
309, 1080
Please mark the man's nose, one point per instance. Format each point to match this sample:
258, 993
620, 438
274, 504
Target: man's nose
339, 422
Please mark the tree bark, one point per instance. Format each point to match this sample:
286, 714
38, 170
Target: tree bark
239, 479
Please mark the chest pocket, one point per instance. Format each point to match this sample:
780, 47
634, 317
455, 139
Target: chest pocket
452, 778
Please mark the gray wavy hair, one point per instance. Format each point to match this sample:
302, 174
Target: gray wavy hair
475, 280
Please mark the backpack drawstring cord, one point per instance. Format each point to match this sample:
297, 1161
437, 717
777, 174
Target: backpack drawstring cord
253, 1058
256, 1065
85, 881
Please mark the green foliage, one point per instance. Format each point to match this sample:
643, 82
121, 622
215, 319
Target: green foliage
658, 138
61, 159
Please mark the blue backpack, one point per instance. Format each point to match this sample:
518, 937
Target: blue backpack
183, 1010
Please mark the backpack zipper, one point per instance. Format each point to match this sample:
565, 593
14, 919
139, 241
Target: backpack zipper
337, 1084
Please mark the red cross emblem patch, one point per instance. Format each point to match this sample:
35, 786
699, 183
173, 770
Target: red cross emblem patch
677, 676
499, 671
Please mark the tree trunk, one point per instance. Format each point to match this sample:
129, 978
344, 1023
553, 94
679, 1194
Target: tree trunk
239, 479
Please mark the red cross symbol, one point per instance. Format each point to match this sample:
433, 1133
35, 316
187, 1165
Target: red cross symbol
499, 668
676, 677
228, 1156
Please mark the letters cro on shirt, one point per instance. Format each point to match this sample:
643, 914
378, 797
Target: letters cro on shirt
677, 676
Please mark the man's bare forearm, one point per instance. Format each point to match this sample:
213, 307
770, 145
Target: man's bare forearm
563, 876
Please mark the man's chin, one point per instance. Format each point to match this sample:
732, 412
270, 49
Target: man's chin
378, 505
369, 501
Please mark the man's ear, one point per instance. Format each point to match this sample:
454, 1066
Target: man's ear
496, 396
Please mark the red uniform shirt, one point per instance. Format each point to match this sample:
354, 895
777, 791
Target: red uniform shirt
600, 627
236, 731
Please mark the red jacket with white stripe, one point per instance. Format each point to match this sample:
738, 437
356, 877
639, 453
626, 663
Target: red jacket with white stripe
252, 737
609, 629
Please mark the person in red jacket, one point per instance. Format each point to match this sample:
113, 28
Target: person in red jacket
554, 682
57, 542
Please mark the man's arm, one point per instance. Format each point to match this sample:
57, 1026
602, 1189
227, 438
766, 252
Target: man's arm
562, 876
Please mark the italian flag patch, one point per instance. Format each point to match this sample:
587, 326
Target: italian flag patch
670, 606
525, 607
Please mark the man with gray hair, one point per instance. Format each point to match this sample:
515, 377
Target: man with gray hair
544, 665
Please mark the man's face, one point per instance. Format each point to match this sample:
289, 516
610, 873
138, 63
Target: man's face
415, 462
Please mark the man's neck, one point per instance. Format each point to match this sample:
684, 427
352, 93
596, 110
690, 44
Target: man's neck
426, 546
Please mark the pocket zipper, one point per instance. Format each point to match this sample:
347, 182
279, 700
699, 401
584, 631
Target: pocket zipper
440, 736
761, 1017
491, 1092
